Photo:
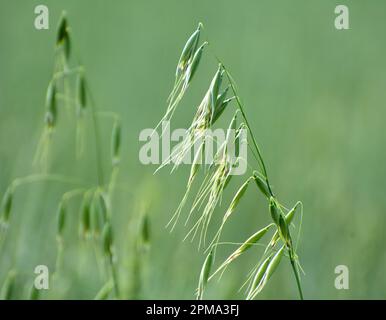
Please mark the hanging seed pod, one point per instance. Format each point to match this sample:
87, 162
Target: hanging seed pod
289, 217
61, 218
274, 210
280, 220
214, 89
115, 143
283, 229
204, 275
6, 205
188, 51
221, 98
270, 269
51, 113
62, 30
252, 240
236, 199
63, 36
258, 276
261, 185
81, 93
274, 263
107, 238
194, 64
220, 105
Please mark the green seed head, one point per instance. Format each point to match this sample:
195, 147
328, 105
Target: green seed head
215, 88
274, 210
62, 30
236, 199
274, 263
216, 85
221, 103
194, 64
253, 239
63, 36
257, 280
283, 229
264, 273
289, 217
262, 186
188, 51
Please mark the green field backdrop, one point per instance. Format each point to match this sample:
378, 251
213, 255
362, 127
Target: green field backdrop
316, 100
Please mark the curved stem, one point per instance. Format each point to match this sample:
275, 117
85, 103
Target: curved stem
240, 106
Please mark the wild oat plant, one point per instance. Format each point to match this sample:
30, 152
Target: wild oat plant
222, 94
68, 91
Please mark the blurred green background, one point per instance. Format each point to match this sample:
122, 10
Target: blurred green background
316, 100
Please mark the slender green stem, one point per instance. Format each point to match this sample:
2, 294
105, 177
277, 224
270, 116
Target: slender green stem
296, 272
240, 106
263, 167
